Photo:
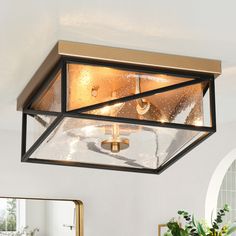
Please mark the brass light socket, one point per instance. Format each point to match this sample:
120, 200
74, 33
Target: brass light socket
115, 145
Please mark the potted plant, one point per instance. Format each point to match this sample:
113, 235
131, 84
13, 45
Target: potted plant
191, 227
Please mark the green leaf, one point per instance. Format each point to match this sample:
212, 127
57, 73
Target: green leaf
183, 232
200, 229
231, 230
174, 228
168, 234
193, 221
226, 207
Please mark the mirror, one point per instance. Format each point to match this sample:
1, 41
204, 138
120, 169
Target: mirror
40, 217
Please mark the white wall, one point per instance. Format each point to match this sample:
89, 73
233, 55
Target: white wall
36, 216
59, 214
118, 203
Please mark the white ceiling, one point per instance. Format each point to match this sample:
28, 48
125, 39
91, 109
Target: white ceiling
29, 29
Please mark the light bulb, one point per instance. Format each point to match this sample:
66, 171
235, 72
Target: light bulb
111, 110
105, 110
143, 106
198, 122
115, 143
163, 120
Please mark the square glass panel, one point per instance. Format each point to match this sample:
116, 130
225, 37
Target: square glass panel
207, 105
183, 106
90, 84
114, 144
36, 126
50, 97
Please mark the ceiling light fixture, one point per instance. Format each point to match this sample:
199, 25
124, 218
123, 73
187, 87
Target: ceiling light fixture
119, 109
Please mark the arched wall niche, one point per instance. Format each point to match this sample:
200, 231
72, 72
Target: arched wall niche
216, 181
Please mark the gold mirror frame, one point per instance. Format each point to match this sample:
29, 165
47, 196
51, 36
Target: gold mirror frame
79, 211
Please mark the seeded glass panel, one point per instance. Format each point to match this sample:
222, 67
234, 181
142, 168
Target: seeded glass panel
50, 99
36, 125
195, 138
206, 105
183, 106
88, 85
79, 140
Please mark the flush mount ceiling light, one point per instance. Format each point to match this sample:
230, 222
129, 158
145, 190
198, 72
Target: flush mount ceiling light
119, 109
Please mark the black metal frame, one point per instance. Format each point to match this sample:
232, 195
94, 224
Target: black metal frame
197, 77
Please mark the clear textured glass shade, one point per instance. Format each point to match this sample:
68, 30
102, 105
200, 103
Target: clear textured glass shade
80, 140
182, 106
155, 119
50, 98
89, 85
